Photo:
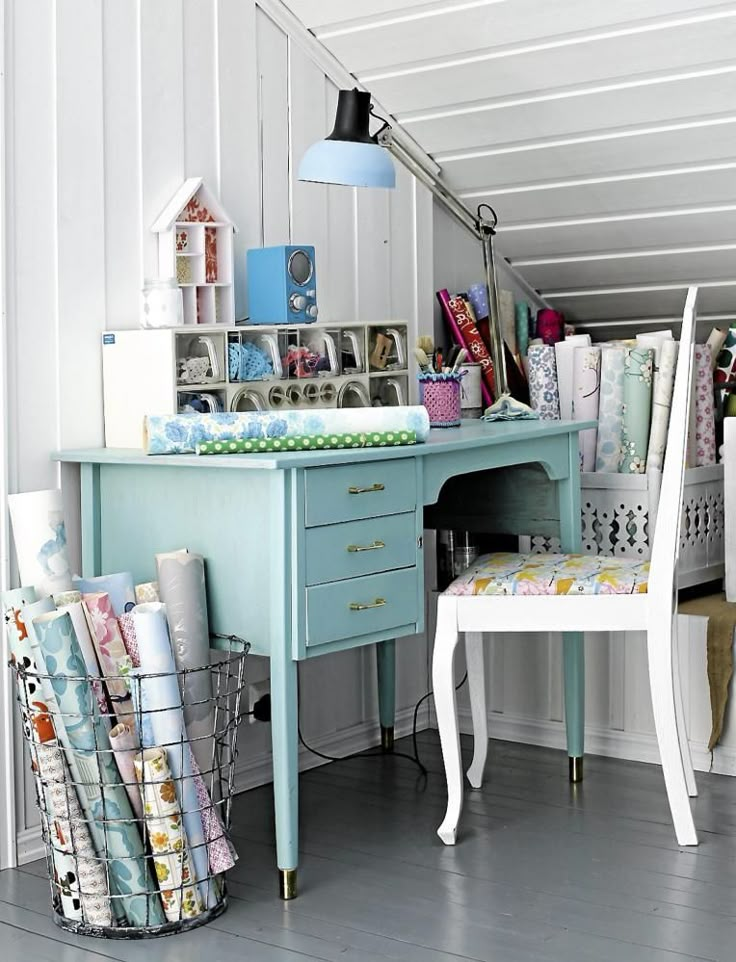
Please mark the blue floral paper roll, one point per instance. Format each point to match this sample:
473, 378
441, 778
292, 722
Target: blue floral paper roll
610, 409
181, 433
105, 800
119, 587
638, 369
544, 393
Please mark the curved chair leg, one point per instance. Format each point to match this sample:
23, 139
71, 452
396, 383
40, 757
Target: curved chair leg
687, 758
474, 656
445, 701
659, 653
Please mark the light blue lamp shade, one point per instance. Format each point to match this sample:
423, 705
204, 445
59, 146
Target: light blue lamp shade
349, 163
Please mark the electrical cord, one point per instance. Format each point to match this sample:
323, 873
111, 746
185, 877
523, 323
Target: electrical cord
378, 754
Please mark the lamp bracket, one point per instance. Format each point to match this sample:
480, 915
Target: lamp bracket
384, 135
486, 224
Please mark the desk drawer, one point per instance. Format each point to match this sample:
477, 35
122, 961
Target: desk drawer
348, 492
330, 617
353, 548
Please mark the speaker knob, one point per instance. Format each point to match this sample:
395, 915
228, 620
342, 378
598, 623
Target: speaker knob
312, 294
312, 310
297, 302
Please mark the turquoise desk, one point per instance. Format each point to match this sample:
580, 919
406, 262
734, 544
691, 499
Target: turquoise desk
313, 552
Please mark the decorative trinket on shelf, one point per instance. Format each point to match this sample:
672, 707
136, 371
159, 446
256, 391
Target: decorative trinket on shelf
195, 247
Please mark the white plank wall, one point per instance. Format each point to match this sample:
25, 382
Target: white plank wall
110, 106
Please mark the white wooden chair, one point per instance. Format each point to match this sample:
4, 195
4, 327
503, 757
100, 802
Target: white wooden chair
649, 607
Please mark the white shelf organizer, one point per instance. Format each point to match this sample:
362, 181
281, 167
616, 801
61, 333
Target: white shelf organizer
365, 365
195, 245
617, 511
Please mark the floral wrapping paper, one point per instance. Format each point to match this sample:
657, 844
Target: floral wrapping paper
664, 383
104, 801
111, 652
179, 893
586, 383
39, 533
67, 598
564, 360
610, 409
146, 593
182, 433
506, 573
638, 370
314, 442
79, 879
544, 392
705, 424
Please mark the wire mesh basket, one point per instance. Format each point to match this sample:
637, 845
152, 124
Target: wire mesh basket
134, 781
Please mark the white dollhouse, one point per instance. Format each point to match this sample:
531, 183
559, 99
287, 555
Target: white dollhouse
195, 245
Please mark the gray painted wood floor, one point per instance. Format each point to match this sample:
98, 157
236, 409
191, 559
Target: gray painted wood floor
542, 872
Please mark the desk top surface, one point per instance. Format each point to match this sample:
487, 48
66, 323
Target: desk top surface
471, 434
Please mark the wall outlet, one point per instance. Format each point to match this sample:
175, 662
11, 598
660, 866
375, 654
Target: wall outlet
256, 691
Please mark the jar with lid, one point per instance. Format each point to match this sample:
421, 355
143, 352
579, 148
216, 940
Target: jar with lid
161, 303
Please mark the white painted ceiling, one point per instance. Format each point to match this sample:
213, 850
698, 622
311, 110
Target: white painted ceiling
602, 131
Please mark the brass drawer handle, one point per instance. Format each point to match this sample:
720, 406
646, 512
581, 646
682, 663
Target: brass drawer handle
357, 606
374, 487
374, 546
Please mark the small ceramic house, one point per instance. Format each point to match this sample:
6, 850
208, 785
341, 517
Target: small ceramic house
195, 245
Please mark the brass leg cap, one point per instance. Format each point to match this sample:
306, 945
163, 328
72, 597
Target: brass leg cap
287, 883
387, 739
576, 769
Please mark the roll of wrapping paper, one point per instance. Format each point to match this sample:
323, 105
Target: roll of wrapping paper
638, 364
67, 598
522, 315
162, 726
465, 333
705, 423
105, 802
87, 792
550, 326
655, 340
40, 541
314, 442
146, 593
586, 381
179, 892
543, 388
39, 730
716, 340
610, 409
564, 356
118, 587
114, 659
125, 746
130, 640
181, 583
661, 404
181, 433
726, 359
78, 614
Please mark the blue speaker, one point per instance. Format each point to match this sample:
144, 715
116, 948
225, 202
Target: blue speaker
282, 285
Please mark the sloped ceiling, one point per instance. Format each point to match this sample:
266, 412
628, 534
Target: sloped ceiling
602, 131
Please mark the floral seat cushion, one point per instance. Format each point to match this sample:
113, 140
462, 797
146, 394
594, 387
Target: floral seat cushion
505, 573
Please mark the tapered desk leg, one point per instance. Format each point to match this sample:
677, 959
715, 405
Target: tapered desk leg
284, 709
386, 663
574, 647
574, 659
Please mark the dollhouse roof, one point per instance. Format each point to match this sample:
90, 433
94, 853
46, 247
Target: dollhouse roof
174, 208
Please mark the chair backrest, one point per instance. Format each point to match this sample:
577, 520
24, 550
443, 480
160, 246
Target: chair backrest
729, 504
666, 547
